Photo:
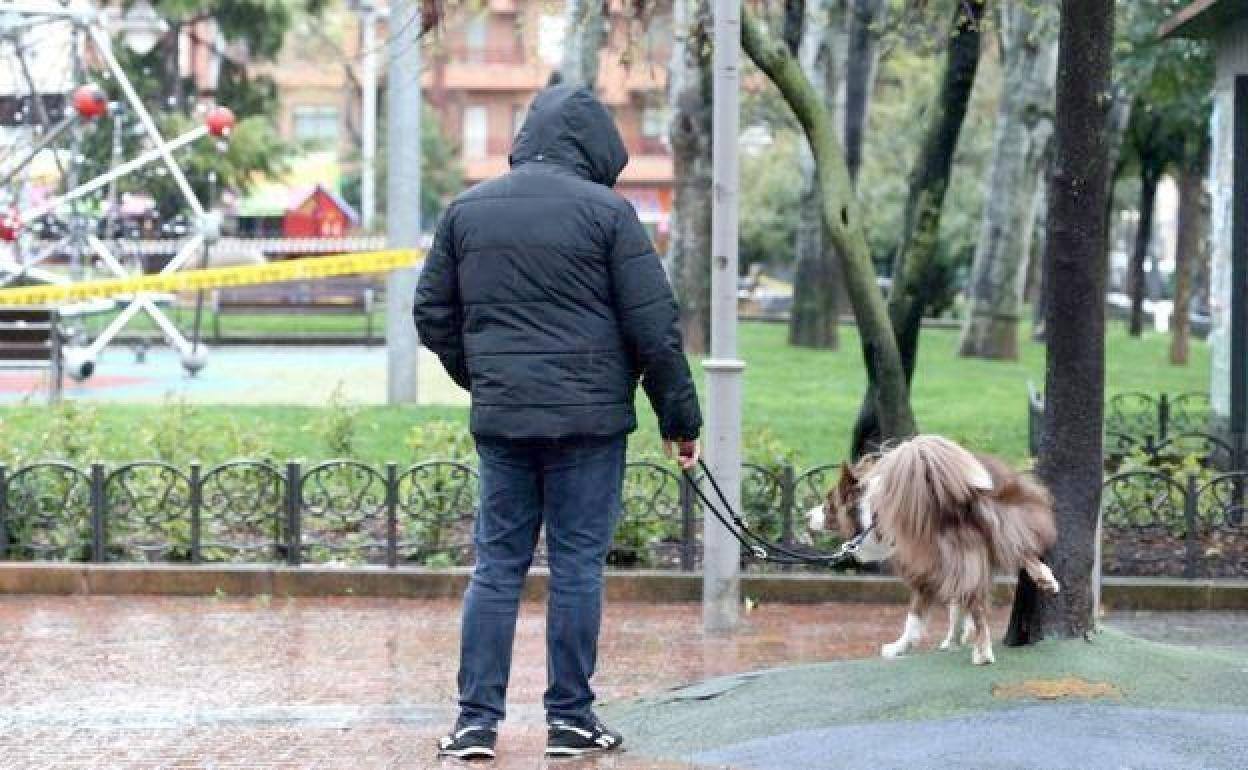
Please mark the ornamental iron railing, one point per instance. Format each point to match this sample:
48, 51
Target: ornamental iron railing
1182, 519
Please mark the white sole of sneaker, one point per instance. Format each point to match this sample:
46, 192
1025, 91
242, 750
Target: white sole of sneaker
560, 752
476, 752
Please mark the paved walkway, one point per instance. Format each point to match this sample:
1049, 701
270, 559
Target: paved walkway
146, 683
152, 683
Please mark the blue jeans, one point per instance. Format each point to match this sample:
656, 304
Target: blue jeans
573, 488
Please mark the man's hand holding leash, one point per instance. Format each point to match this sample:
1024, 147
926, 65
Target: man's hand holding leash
687, 453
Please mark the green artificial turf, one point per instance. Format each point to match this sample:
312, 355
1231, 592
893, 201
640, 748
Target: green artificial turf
928, 685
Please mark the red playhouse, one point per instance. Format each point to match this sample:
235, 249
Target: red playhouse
318, 213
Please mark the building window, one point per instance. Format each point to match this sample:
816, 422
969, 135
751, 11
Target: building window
475, 33
316, 125
475, 132
550, 33
654, 122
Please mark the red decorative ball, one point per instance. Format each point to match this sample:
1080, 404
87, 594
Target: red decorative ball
90, 101
10, 226
220, 121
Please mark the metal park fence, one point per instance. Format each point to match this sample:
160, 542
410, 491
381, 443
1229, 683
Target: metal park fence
340, 511
1187, 523
1158, 418
1179, 521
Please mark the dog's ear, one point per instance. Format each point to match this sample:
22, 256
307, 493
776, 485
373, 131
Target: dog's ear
848, 479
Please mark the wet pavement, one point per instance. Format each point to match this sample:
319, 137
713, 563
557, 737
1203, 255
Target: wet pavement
151, 683
351, 683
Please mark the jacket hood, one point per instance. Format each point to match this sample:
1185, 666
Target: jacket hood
570, 127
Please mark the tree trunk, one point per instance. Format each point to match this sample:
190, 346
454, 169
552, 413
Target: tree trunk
1024, 123
1071, 452
914, 263
1189, 251
842, 225
585, 36
815, 315
1121, 110
172, 51
814, 320
1136, 286
1201, 267
861, 65
1035, 270
690, 241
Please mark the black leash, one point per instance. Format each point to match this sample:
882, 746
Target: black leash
759, 547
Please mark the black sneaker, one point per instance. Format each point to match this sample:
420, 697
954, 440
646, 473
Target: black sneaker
468, 743
564, 739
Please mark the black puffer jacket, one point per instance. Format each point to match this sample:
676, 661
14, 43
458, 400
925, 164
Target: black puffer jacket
543, 295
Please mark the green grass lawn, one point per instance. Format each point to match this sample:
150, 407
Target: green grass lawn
247, 325
802, 400
810, 398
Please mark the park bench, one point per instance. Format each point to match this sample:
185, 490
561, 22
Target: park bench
350, 295
30, 338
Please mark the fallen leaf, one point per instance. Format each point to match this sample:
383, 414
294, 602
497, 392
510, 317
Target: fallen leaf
1052, 689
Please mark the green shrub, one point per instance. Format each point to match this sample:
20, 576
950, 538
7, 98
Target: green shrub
339, 425
441, 440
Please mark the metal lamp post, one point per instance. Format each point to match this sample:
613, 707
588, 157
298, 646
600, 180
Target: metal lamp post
368, 112
402, 195
721, 580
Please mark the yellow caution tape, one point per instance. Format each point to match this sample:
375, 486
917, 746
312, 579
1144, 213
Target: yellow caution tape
216, 277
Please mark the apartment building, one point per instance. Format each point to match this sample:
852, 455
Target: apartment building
482, 68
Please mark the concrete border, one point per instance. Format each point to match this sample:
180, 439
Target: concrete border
73, 579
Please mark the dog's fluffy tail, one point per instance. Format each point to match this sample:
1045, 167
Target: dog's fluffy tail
921, 478
929, 485
1020, 515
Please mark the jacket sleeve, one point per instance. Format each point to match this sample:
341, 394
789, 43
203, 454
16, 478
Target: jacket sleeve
437, 309
650, 320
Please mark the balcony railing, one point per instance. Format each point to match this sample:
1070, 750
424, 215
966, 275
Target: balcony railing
466, 54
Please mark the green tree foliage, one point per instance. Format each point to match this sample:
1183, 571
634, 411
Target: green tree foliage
261, 24
1171, 82
769, 203
908, 84
441, 175
913, 43
254, 148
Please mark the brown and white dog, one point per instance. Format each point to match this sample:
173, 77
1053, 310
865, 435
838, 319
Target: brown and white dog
947, 520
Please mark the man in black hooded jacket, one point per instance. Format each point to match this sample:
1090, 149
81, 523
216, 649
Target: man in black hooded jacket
544, 298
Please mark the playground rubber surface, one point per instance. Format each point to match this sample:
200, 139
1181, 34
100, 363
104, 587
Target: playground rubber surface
241, 375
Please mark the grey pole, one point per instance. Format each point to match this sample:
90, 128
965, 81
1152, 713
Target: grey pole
1239, 272
368, 113
402, 195
721, 579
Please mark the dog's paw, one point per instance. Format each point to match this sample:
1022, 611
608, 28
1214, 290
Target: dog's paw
982, 657
816, 519
968, 633
948, 643
894, 649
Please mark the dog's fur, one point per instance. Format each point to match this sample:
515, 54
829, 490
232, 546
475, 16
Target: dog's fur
948, 520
